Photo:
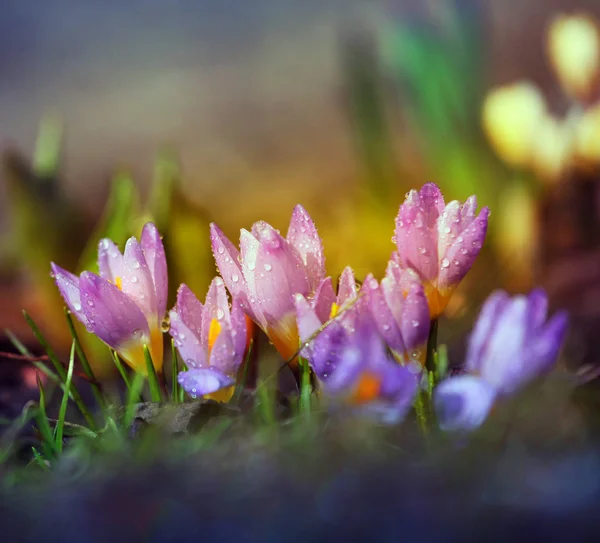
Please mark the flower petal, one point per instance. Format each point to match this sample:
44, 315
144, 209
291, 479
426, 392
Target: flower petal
306, 317
537, 301
216, 307
383, 316
463, 403
415, 323
186, 340
190, 310
347, 290
137, 281
111, 314
489, 315
239, 326
110, 260
199, 382
324, 299
278, 274
156, 259
303, 236
68, 286
223, 355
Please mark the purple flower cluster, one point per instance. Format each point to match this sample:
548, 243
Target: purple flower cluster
366, 344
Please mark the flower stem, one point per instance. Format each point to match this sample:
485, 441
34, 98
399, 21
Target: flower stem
432, 346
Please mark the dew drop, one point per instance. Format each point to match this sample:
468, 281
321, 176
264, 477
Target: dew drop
220, 250
422, 250
268, 267
386, 327
447, 230
463, 251
445, 263
134, 279
235, 277
135, 265
220, 314
77, 306
251, 266
456, 262
165, 325
90, 303
415, 324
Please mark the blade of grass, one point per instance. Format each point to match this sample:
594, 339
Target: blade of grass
96, 390
60, 370
241, 386
38, 459
133, 398
441, 363
117, 360
174, 374
26, 352
62, 413
155, 392
432, 346
305, 387
265, 404
42, 422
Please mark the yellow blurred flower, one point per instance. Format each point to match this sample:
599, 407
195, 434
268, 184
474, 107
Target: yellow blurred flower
511, 119
587, 138
552, 146
574, 50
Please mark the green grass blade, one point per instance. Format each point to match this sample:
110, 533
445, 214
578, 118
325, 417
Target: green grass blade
117, 360
39, 460
155, 392
43, 423
133, 397
266, 403
441, 363
85, 364
305, 387
174, 374
26, 352
60, 370
241, 386
62, 413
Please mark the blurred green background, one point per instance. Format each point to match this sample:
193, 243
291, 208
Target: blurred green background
187, 111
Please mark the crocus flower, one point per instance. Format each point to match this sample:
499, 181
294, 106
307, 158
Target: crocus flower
211, 339
313, 312
440, 242
268, 270
512, 343
352, 362
400, 310
126, 303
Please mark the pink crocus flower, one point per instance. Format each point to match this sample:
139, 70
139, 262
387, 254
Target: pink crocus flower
268, 270
439, 241
125, 304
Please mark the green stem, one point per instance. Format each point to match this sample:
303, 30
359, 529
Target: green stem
432, 346
87, 369
123, 373
60, 370
174, 374
153, 381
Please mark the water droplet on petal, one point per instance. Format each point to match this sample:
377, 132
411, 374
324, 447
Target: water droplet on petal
235, 277
77, 306
135, 265
251, 266
447, 230
456, 262
268, 267
220, 250
90, 303
220, 314
422, 250
415, 324
445, 263
134, 279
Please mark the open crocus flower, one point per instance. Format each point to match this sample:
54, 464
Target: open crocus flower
400, 310
352, 362
312, 313
211, 339
268, 270
126, 303
440, 242
512, 344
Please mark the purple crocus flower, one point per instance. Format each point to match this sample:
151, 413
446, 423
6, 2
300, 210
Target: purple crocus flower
512, 343
268, 270
439, 241
400, 310
352, 362
211, 339
313, 312
126, 303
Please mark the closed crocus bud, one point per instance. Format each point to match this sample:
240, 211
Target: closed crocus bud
211, 339
353, 365
126, 303
574, 51
552, 148
511, 117
512, 343
401, 312
268, 270
587, 138
439, 242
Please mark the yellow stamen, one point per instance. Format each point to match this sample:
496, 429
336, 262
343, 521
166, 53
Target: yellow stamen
334, 310
213, 332
367, 389
119, 282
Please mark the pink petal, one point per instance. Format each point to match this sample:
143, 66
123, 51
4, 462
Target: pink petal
347, 290
186, 341
383, 316
324, 299
415, 320
215, 307
156, 259
190, 310
238, 326
303, 236
137, 281
249, 247
306, 318
223, 355
110, 260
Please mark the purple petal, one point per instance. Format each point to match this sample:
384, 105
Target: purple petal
416, 234
227, 258
216, 307
223, 355
537, 302
238, 326
458, 258
110, 260
303, 236
346, 287
68, 286
156, 259
463, 403
482, 331
111, 314
190, 310
249, 247
278, 274
324, 299
199, 382
415, 323
383, 316
186, 341
306, 318
137, 281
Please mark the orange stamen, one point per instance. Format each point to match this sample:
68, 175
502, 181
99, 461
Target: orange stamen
334, 310
119, 282
367, 389
213, 332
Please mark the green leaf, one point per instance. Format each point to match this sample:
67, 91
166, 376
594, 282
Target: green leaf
62, 413
174, 374
133, 398
121, 368
155, 392
43, 423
